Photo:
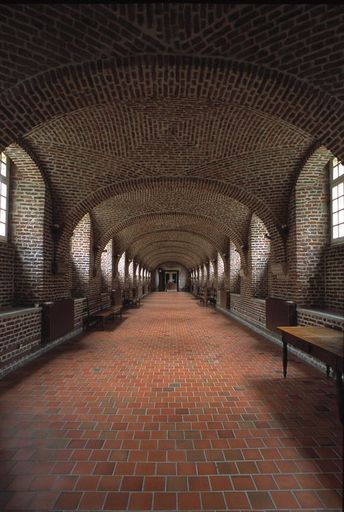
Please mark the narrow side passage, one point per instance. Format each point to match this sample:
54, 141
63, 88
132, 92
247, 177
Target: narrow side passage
176, 408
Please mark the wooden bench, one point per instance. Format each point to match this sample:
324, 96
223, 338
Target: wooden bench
202, 297
324, 344
211, 297
130, 303
97, 309
131, 300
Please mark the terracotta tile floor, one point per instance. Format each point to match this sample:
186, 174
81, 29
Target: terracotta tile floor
175, 408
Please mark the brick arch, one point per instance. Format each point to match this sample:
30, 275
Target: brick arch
213, 187
187, 247
171, 244
171, 197
99, 146
180, 257
172, 236
218, 239
192, 119
211, 79
123, 241
129, 78
101, 30
206, 222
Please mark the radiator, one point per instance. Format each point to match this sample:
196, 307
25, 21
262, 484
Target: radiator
116, 297
57, 319
279, 312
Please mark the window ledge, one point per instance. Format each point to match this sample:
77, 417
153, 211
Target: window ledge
258, 299
323, 313
7, 313
338, 242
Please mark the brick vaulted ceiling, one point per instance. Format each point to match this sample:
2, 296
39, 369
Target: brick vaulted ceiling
171, 123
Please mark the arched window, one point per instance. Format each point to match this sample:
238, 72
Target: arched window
337, 201
4, 186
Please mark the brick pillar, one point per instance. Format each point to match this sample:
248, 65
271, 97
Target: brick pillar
259, 254
107, 267
28, 198
81, 257
234, 269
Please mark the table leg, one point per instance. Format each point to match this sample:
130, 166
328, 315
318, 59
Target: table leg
340, 395
285, 358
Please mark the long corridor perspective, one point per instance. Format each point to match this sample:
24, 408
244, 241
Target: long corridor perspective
176, 407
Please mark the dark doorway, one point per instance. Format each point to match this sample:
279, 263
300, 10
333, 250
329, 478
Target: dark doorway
161, 280
171, 280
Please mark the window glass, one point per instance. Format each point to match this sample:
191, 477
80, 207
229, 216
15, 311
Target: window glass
337, 200
4, 177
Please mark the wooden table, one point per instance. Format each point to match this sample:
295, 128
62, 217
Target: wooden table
324, 344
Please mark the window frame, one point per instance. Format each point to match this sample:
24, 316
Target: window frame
334, 182
6, 181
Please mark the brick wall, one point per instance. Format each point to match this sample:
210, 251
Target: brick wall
20, 335
79, 308
56, 286
81, 257
6, 274
106, 267
234, 269
320, 318
221, 281
334, 272
284, 286
312, 229
121, 268
249, 308
26, 226
259, 254
315, 267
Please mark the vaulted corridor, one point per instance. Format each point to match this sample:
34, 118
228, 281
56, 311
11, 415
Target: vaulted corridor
176, 407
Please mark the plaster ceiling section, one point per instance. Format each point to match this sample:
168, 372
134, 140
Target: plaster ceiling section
289, 38
134, 231
227, 214
148, 239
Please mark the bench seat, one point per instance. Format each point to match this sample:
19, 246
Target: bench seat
133, 302
97, 309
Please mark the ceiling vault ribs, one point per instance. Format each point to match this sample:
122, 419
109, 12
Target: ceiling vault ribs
185, 119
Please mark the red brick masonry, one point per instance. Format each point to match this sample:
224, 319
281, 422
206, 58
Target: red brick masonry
176, 408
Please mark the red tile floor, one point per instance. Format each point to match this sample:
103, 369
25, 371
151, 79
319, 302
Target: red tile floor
175, 408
